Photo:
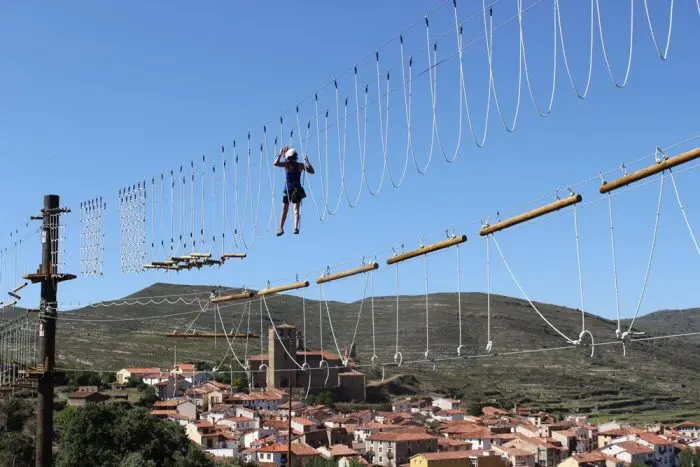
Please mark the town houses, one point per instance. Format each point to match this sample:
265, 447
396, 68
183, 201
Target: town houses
271, 423
268, 426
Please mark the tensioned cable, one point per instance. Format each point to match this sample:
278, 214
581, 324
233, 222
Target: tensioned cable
682, 208
522, 291
580, 272
279, 339
651, 257
235, 334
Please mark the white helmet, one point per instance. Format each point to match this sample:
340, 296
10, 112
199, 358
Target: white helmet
291, 153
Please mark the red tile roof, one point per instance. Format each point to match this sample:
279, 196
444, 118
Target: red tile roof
143, 371
402, 436
341, 450
456, 454
258, 358
274, 447
634, 447
164, 413
588, 457
320, 353
653, 439
304, 421
517, 452
303, 449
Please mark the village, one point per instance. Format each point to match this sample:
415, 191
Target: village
268, 423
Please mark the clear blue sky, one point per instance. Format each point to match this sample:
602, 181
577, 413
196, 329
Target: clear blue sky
96, 96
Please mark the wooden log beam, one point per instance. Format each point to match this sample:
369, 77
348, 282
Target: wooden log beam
654, 169
425, 249
347, 273
283, 288
529, 215
232, 297
200, 255
233, 255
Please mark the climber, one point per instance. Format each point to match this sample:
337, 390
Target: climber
293, 189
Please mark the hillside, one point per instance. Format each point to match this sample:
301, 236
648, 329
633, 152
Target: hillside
657, 379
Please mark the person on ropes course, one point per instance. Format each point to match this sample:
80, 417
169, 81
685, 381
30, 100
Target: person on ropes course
293, 189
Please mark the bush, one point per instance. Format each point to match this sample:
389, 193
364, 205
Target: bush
108, 434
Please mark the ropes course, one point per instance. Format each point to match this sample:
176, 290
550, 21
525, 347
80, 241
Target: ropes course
212, 210
321, 125
246, 299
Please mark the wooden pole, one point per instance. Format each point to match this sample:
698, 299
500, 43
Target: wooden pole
233, 255
347, 273
529, 215
659, 167
47, 331
232, 297
427, 249
283, 288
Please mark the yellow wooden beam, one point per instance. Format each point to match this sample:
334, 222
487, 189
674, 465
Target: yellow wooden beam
425, 249
283, 288
232, 297
347, 273
659, 167
532, 214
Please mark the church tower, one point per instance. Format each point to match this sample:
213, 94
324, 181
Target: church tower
281, 368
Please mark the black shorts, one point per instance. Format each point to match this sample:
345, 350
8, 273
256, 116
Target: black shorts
285, 198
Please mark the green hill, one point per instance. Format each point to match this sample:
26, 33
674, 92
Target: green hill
656, 380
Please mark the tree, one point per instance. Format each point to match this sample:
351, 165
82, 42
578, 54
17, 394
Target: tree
148, 397
108, 434
686, 457
16, 449
434, 427
14, 413
475, 409
110, 378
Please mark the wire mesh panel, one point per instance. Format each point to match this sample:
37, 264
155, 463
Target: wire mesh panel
132, 228
92, 223
18, 350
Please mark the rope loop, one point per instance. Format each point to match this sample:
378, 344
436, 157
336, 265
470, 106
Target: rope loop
324, 364
398, 359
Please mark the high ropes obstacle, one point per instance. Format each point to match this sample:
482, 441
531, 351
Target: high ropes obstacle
663, 166
174, 220
199, 215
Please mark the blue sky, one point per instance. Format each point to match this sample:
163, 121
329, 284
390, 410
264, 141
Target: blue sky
96, 97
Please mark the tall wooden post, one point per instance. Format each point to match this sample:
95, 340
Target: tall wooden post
49, 277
